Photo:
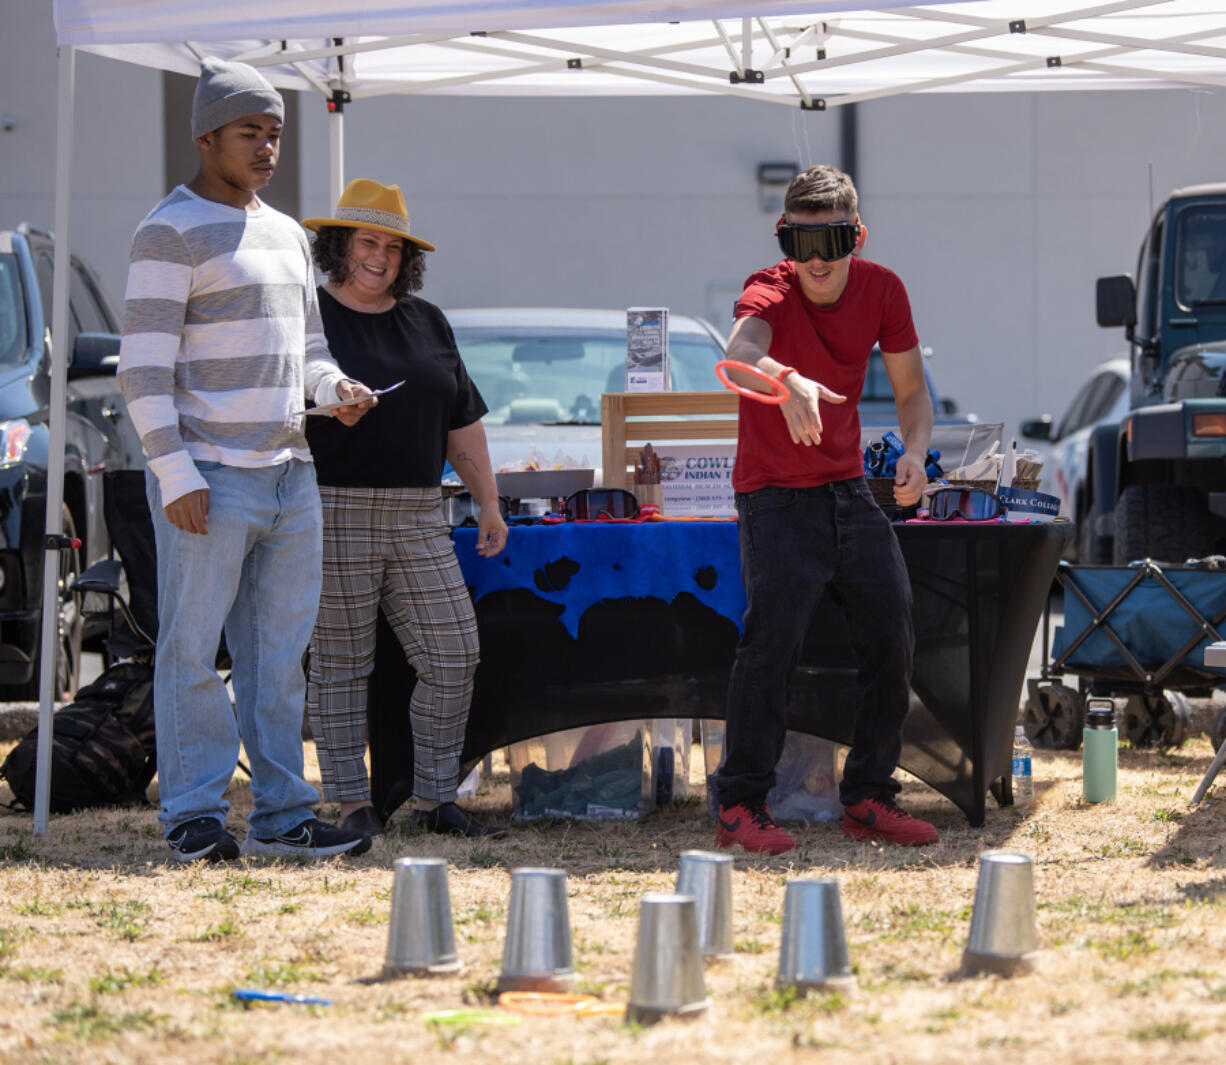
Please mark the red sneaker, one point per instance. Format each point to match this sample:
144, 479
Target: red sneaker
884, 819
750, 825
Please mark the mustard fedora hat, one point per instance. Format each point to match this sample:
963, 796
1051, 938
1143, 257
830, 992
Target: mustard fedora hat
366, 204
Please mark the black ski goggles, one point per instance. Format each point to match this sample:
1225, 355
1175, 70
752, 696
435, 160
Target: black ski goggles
969, 504
829, 242
594, 504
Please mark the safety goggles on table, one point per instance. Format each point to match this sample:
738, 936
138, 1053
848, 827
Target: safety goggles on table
600, 504
829, 242
969, 504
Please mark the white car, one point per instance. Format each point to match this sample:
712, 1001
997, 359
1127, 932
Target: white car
542, 372
1064, 444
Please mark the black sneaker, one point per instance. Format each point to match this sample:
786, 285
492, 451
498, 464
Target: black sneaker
364, 820
447, 819
311, 839
203, 839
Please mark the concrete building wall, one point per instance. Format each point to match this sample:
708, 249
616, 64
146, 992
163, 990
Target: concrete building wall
117, 172
999, 211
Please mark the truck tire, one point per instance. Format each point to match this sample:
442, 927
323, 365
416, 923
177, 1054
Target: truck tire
1092, 549
1165, 522
69, 626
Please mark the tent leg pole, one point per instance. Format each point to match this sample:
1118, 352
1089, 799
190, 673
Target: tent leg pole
49, 637
849, 140
336, 155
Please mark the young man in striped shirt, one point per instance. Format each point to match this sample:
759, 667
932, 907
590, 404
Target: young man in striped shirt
222, 346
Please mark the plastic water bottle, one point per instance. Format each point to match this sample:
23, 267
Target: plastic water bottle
1023, 781
1100, 749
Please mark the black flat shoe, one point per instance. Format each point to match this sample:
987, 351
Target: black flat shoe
448, 819
364, 820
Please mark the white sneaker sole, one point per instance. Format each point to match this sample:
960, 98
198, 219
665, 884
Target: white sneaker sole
276, 849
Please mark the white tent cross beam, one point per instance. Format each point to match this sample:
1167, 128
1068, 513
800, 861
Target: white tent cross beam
776, 55
808, 53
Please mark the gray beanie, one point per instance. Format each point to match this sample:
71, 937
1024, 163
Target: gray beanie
227, 91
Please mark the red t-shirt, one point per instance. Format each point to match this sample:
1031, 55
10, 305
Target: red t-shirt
830, 345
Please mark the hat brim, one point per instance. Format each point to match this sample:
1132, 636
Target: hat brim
315, 224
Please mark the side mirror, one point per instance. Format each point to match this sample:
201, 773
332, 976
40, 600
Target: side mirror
1037, 428
94, 355
1116, 300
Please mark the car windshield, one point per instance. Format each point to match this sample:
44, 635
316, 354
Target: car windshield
1200, 275
532, 374
878, 394
12, 313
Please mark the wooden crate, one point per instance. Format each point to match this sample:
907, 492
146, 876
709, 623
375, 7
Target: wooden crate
631, 419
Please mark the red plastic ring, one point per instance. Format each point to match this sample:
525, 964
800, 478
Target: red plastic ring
779, 391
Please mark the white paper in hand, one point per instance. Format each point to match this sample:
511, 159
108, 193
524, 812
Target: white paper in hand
328, 408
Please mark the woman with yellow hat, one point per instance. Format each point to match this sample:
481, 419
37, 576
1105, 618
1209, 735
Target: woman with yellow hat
386, 544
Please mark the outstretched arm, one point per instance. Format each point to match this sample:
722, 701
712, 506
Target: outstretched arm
750, 343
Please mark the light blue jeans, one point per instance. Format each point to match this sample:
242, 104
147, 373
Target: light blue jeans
258, 573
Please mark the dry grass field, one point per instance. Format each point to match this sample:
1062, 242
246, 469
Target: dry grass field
109, 952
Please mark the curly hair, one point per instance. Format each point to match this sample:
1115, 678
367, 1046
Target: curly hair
330, 251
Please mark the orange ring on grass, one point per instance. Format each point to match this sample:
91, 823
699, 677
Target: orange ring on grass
545, 1003
779, 391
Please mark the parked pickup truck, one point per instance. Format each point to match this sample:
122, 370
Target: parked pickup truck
100, 438
1158, 478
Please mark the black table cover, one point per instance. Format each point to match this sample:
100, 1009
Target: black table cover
585, 623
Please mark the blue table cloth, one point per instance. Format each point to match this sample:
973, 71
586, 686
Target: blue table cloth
657, 560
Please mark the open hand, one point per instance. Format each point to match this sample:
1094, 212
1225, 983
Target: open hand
801, 412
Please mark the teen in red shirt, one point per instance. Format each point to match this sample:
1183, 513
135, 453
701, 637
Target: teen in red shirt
807, 519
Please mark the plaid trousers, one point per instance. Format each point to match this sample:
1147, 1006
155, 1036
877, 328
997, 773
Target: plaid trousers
390, 548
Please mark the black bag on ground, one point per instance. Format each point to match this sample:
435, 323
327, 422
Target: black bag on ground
103, 749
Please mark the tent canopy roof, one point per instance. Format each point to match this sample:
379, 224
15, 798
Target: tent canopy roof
806, 52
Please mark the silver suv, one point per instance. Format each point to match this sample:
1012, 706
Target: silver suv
100, 440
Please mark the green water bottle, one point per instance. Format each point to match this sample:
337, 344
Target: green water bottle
1100, 751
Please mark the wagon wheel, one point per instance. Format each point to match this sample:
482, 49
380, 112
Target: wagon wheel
1217, 734
1182, 712
1054, 716
1156, 719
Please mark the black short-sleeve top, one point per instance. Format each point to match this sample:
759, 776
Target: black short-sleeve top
402, 442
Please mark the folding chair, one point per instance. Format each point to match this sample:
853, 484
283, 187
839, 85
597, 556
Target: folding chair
1215, 655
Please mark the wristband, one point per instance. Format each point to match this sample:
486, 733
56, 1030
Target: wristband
784, 372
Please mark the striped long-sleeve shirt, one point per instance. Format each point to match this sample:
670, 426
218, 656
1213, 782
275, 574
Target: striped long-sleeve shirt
222, 340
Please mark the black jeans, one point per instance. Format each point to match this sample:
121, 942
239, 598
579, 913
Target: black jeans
794, 543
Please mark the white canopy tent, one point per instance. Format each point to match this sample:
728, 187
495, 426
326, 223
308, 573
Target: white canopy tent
805, 50
811, 54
